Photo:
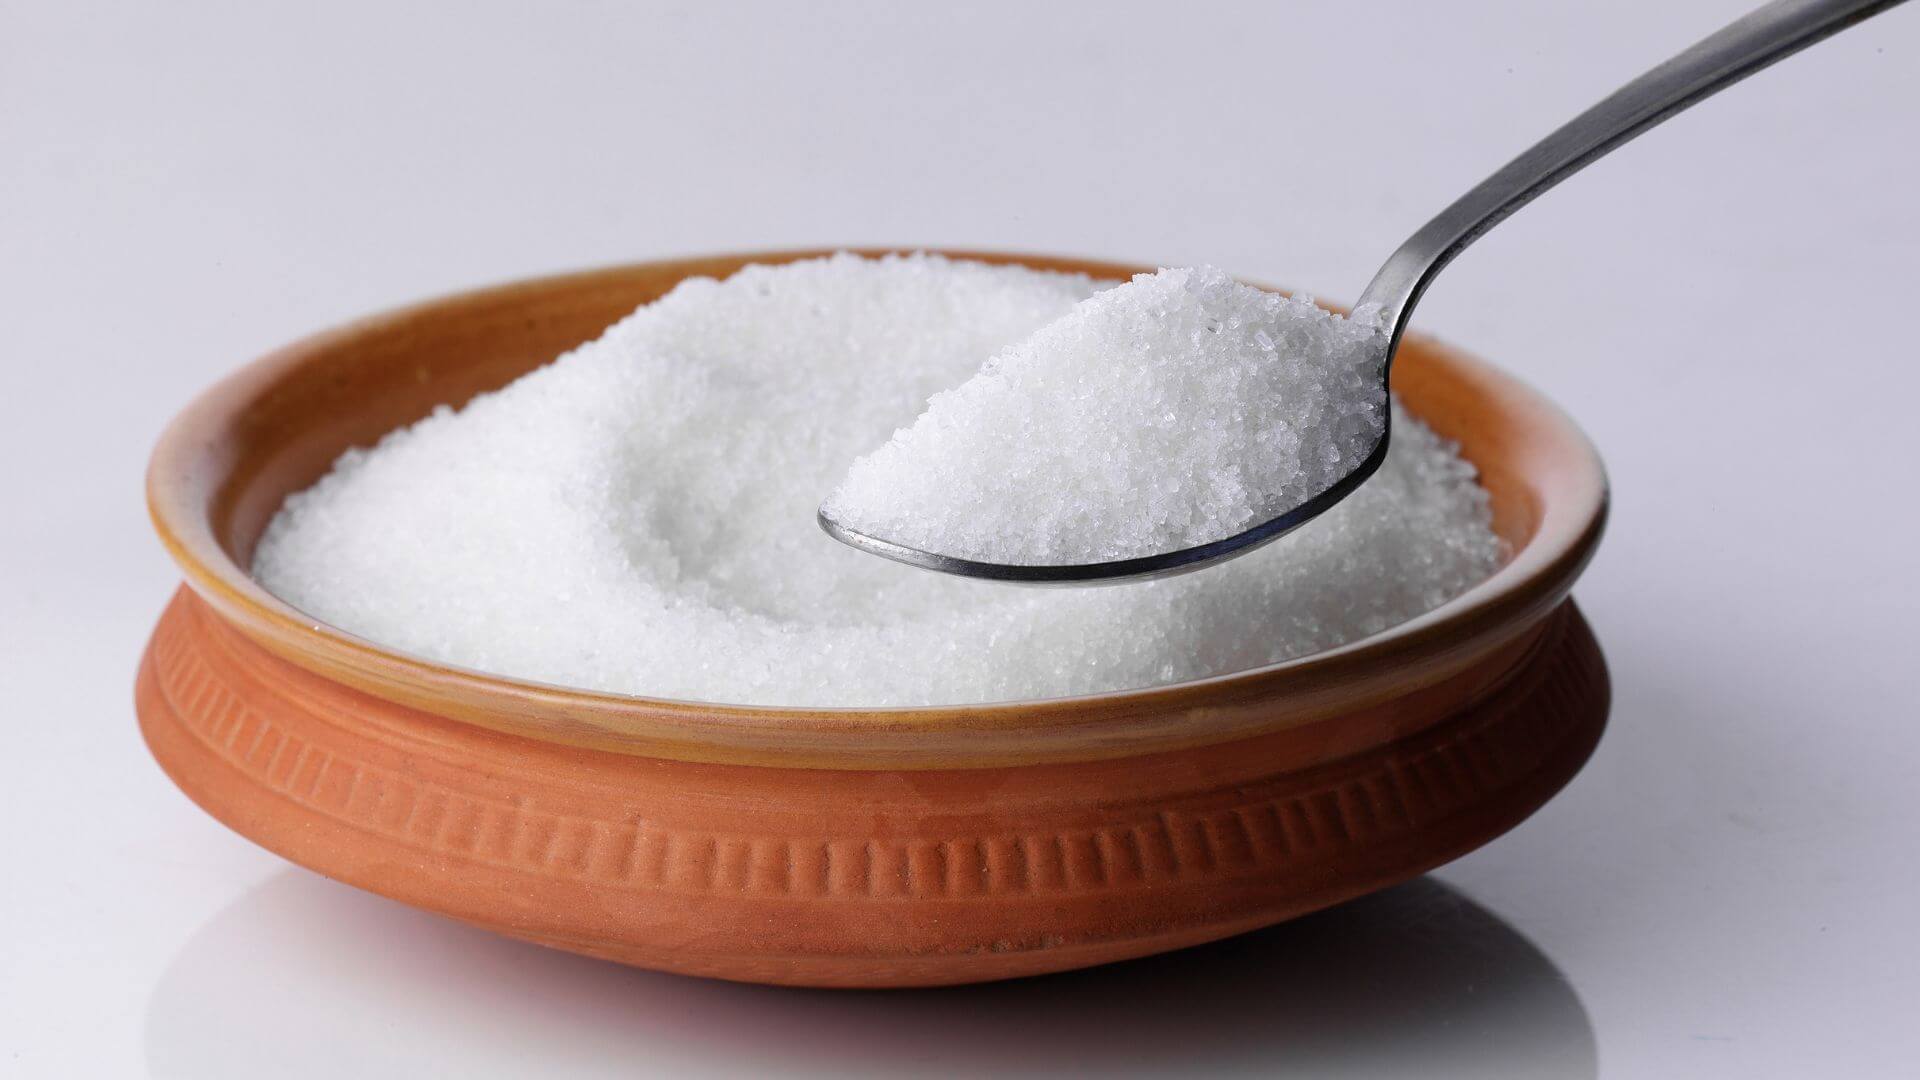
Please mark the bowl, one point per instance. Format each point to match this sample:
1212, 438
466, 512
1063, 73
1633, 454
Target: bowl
844, 847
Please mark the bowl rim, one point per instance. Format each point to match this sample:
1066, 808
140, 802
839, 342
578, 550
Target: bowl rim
182, 477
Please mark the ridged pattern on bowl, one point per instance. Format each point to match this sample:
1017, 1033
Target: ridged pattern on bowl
604, 852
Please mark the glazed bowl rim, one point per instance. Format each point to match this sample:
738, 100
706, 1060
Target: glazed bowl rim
1529, 583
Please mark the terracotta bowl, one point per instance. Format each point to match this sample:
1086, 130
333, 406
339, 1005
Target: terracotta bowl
857, 847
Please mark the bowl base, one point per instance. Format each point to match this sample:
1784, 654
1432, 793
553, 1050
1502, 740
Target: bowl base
853, 878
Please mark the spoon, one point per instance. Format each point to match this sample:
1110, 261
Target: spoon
1743, 47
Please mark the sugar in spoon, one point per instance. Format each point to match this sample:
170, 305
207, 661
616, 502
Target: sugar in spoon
1752, 42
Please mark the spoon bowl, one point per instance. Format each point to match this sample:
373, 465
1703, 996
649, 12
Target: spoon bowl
1117, 571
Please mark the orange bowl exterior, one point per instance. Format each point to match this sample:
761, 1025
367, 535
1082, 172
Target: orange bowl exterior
844, 847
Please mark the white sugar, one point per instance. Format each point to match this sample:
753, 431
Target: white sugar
1180, 408
637, 517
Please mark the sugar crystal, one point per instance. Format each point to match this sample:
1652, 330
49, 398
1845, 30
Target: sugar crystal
637, 517
1180, 408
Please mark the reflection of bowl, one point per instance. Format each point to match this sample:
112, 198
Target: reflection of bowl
844, 847
1416, 980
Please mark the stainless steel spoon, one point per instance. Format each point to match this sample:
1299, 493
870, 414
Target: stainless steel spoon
1771, 33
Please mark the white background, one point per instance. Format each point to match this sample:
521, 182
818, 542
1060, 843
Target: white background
1726, 305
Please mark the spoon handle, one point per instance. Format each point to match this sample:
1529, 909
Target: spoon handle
1743, 47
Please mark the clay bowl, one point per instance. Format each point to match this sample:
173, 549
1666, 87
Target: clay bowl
891, 847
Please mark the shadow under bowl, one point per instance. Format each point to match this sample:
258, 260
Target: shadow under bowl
844, 847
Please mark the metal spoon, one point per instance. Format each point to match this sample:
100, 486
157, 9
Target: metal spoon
1770, 33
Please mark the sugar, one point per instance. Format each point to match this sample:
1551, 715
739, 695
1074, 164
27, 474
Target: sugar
1180, 408
637, 517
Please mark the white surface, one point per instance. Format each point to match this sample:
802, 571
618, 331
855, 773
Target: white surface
647, 502
1728, 890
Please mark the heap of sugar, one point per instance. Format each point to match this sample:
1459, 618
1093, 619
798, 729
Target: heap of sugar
1180, 408
637, 517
